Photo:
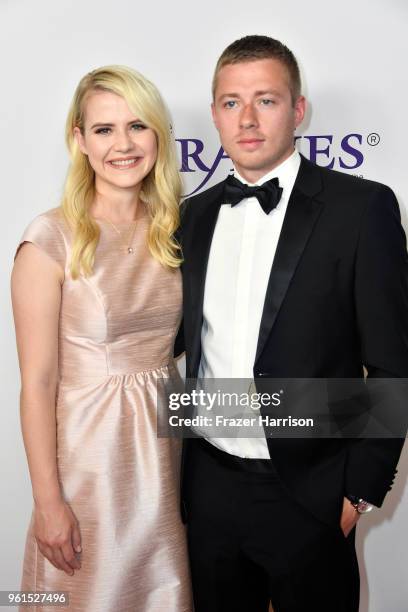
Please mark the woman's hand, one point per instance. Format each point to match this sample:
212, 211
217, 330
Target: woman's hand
57, 533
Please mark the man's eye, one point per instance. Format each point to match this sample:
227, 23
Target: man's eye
267, 101
230, 104
138, 126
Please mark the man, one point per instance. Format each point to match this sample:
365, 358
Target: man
305, 277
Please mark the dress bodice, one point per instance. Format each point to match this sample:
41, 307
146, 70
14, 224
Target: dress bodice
122, 319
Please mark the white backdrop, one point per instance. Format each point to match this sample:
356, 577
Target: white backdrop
353, 60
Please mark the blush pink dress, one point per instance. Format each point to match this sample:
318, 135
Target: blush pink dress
116, 336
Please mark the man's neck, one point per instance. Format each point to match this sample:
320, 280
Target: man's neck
254, 176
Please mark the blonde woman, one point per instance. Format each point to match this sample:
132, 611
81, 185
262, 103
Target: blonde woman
97, 301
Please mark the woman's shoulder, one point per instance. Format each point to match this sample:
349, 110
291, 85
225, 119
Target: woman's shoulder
50, 220
49, 232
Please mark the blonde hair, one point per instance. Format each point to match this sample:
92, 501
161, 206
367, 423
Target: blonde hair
255, 47
161, 188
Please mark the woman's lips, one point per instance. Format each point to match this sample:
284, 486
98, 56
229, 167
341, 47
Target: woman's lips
124, 164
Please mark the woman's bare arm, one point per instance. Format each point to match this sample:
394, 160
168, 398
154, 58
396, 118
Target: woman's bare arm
36, 295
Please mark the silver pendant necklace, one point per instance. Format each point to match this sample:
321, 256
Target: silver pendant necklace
127, 244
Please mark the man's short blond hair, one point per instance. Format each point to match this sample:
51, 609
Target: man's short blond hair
252, 48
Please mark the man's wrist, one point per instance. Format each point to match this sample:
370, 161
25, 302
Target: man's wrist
360, 505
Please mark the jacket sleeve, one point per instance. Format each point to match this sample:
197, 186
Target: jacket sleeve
179, 345
381, 301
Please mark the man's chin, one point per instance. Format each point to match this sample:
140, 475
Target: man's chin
254, 165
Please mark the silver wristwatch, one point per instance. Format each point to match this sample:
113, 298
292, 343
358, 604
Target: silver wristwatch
362, 506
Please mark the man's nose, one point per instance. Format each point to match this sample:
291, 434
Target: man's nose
248, 117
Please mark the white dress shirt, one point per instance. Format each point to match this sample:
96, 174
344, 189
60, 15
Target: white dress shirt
240, 261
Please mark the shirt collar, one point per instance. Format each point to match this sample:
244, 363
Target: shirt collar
286, 172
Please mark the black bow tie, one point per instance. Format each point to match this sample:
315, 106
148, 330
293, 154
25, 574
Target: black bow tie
268, 194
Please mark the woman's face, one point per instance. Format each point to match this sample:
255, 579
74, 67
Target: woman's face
120, 148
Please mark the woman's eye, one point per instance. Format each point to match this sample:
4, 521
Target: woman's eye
104, 130
138, 126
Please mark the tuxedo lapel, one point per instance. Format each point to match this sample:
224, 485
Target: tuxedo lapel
201, 240
301, 215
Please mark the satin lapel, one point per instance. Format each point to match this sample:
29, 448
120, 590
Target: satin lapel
301, 215
201, 241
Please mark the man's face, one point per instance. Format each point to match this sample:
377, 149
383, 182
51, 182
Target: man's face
255, 115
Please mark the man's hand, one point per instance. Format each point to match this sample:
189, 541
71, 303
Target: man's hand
349, 517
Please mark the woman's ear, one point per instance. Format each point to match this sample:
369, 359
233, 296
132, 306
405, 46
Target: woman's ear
80, 140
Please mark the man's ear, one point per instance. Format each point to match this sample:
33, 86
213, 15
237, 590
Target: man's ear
80, 140
300, 109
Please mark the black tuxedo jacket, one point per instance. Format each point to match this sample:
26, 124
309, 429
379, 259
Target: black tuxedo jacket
337, 299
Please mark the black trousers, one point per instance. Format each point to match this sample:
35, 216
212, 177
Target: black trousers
250, 543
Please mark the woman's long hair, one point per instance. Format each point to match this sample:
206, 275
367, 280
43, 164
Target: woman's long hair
161, 188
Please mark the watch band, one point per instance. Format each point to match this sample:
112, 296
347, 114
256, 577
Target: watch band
361, 505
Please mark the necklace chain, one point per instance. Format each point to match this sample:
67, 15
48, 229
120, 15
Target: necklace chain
127, 244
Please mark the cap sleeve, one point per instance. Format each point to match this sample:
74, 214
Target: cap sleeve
45, 233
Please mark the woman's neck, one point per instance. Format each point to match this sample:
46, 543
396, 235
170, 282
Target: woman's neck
117, 206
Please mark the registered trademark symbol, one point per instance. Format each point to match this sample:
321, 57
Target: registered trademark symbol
373, 139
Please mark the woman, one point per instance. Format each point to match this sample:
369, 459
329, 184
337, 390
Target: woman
97, 302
